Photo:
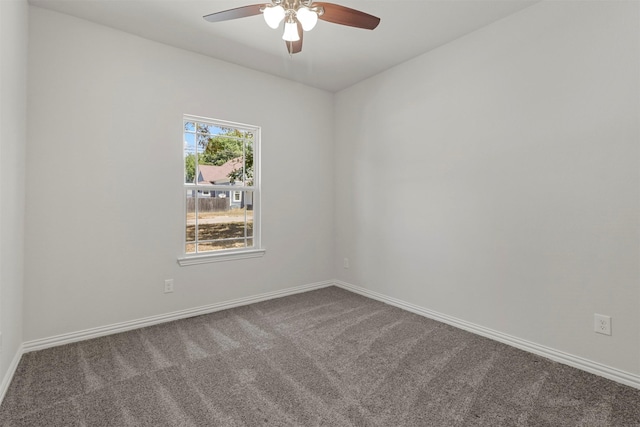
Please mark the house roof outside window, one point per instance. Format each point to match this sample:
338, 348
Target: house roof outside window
218, 174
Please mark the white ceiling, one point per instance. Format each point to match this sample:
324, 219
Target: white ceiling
333, 56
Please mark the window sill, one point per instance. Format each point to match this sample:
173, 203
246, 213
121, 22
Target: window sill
228, 256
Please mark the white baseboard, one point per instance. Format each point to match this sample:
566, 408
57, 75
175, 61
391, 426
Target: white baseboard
86, 334
578, 362
6, 381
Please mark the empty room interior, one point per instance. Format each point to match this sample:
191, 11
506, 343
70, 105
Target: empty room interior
362, 213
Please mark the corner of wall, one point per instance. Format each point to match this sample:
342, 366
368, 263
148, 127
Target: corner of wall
13, 115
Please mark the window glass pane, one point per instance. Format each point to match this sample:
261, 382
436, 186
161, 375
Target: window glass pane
190, 126
248, 161
189, 157
222, 222
202, 128
215, 130
191, 216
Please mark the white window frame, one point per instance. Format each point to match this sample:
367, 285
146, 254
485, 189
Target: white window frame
224, 254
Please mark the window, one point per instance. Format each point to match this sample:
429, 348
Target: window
222, 191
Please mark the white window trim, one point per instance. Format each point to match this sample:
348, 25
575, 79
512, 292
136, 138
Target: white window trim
227, 254
219, 256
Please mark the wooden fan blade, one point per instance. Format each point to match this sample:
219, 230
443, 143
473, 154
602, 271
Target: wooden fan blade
346, 16
295, 47
238, 12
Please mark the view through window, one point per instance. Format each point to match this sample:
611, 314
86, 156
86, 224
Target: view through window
220, 182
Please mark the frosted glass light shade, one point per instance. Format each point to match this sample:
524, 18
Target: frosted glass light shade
273, 15
307, 18
290, 32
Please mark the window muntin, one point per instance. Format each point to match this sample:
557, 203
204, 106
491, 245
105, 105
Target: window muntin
221, 187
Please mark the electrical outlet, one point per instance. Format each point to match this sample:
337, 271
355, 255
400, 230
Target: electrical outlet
602, 324
168, 286
345, 263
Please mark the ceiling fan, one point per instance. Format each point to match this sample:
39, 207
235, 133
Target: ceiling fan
298, 16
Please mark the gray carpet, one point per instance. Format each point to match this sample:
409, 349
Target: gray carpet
327, 357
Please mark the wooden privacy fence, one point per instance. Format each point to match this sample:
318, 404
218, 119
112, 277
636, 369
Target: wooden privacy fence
208, 204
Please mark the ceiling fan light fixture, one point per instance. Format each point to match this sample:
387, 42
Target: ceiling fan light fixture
307, 18
273, 15
299, 16
290, 31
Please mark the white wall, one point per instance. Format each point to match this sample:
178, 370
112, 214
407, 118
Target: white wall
13, 104
105, 118
496, 179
